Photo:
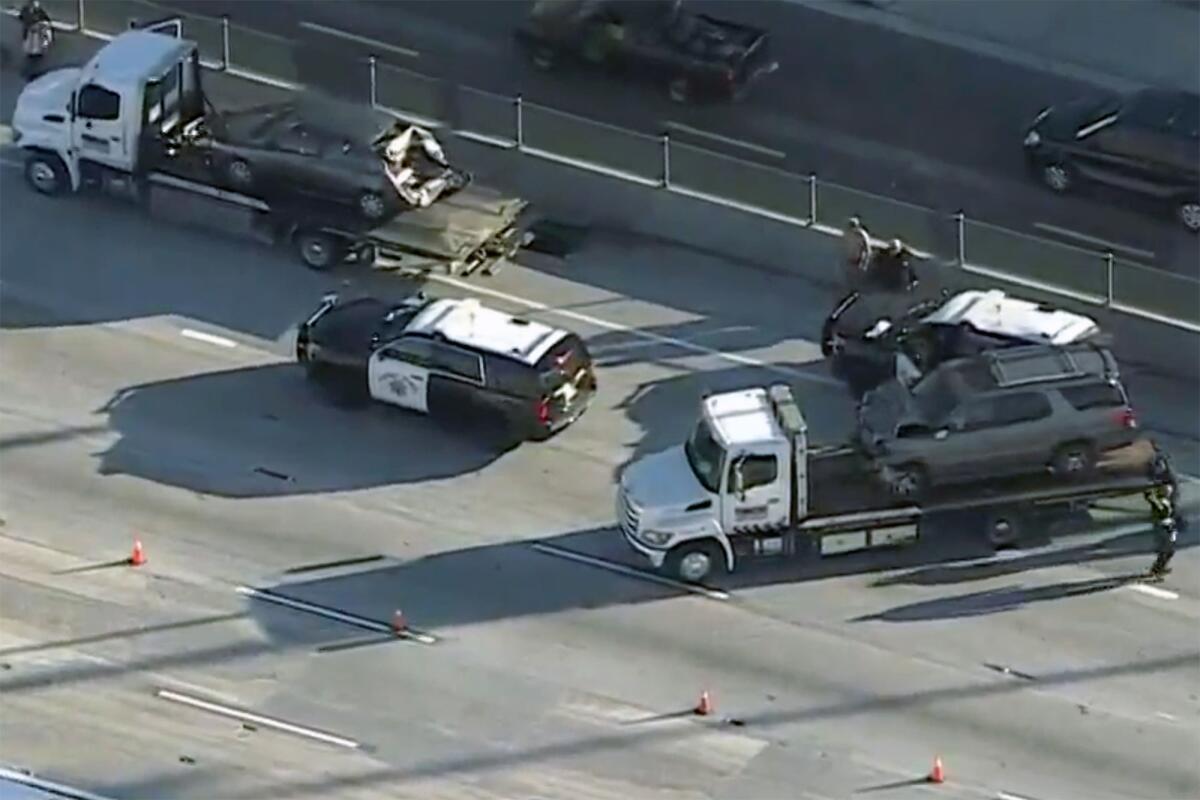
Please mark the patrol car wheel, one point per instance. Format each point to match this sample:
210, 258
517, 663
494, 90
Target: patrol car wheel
1189, 215
692, 563
318, 251
45, 173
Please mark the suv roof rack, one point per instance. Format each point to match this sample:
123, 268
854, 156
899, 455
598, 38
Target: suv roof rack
1039, 363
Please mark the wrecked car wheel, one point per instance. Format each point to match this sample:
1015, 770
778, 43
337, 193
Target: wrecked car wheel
318, 251
372, 205
680, 90
239, 173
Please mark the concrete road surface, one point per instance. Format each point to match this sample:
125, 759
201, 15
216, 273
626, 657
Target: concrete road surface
147, 393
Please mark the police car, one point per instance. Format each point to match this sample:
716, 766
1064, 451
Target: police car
873, 337
452, 358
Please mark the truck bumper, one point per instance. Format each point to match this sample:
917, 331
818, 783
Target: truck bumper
654, 556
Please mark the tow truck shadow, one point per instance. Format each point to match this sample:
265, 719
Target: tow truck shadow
266, 431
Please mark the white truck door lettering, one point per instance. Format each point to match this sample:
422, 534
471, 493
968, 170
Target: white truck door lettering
756, 496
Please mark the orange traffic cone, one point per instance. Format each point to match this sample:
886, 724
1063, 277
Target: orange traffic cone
705, 706
937, 774
137, 557
399, 623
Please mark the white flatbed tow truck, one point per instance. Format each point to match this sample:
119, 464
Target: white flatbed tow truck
130, 123
746, 484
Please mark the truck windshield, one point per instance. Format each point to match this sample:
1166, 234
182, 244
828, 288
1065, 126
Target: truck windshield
705, 456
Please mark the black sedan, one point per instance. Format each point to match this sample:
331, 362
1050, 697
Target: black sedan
365, 160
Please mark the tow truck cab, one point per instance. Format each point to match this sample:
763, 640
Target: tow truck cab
742, 473
108, 120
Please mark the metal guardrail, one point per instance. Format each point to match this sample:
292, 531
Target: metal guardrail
1089, 276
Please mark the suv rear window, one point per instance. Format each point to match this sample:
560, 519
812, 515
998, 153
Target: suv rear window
1095, 395
563, 361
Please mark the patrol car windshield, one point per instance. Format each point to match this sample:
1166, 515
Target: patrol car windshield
705, 456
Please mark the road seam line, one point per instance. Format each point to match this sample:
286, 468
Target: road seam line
16, 776
621, 569
1083, 237
353, 37
333, 614
716, 137
257, 719
207, 338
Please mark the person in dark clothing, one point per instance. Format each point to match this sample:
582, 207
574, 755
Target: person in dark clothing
892, 270
36, 34
1162, 498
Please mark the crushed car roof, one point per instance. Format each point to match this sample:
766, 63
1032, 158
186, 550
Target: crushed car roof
468, 323
996, 313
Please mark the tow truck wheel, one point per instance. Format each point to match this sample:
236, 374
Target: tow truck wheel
372, 205
45, 173
692, 563
318, 251
1003, 527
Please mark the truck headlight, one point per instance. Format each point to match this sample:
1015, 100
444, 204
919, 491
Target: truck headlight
1033, 139
656, 538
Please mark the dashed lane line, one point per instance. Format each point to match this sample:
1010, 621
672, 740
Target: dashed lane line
621, 569
716, 137
1083, 237
207, 338
352, 37
1153, 591
257, 719
50, 787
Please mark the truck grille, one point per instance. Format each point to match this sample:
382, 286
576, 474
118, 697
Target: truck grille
628, 514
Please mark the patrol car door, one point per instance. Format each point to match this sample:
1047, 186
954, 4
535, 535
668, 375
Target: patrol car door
755, 495
398, 373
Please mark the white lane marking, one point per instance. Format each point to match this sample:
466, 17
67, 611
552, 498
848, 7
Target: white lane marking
331, 613
1008, 796
404, 51
1083, 237
257, 719
1154, 591
716, 137
47, 786
1166, 716
588, 319
207, 338
621, 569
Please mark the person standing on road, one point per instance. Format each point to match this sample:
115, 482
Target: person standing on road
856, 253
1162, 498
36, 33
892, 270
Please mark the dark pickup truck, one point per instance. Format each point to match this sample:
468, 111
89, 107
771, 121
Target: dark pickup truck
693, 56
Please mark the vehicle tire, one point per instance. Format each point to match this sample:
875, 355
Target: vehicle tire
544, 58
1189, 214
909, 481
319, 251
692, 562
46, 174
372, 206
1003, 527
1073, 459
1058, 176
680, 90
239, 173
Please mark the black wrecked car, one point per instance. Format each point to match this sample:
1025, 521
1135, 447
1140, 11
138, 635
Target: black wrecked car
690, 55
366, 160
1146, 143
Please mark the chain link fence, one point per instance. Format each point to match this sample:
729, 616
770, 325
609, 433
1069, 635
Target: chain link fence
658, 161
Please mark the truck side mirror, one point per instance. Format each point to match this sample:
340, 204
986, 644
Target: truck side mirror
739, 479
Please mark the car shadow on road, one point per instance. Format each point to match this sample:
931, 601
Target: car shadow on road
266, 431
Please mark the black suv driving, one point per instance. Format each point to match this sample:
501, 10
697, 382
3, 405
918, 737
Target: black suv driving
1146, 142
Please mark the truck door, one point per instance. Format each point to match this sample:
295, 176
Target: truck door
398, 373
755, 497
99, 130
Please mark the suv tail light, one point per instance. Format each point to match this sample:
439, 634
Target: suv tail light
1126, 418
543, 411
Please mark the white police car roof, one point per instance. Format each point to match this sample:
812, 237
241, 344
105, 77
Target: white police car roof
470, 324
996, 313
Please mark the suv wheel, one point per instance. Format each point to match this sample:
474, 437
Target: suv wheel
908, 480
1059, 176
1073, 459
1189, 215
680, 90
